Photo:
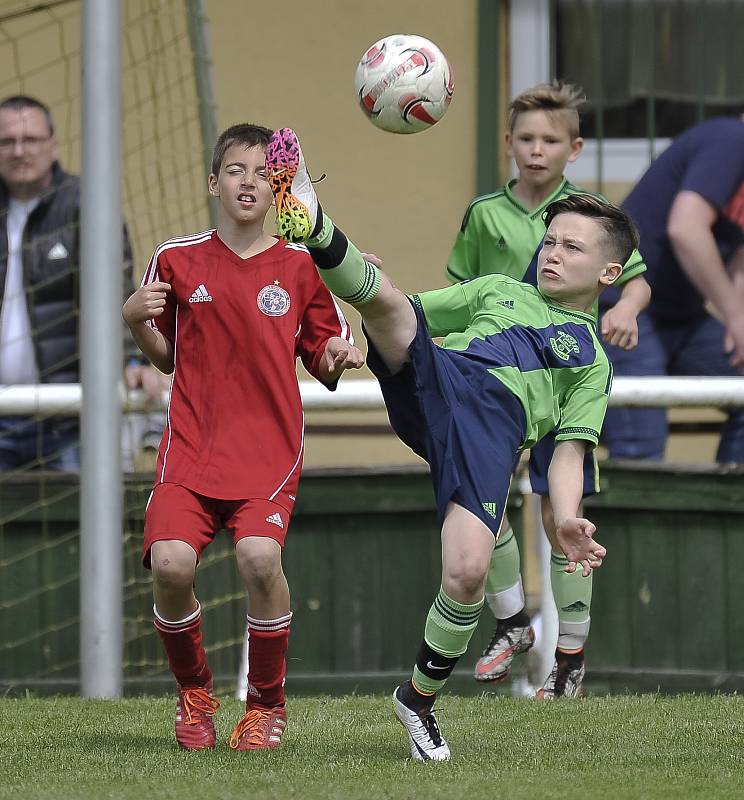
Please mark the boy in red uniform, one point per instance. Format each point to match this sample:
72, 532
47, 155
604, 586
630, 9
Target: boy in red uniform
227, 312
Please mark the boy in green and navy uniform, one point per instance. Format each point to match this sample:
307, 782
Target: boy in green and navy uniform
501, 233
497, 327
517, 362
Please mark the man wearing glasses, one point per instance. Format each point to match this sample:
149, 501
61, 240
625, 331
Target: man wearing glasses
39, 282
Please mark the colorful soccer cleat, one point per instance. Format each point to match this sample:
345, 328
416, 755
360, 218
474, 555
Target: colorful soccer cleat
566, 679
260, 729
505, 643
195, 708
296, 201
424, 737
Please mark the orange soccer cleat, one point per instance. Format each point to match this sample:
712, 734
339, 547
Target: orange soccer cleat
195, 708
260, 729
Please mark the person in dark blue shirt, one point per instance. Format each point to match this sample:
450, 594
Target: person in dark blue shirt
689, 210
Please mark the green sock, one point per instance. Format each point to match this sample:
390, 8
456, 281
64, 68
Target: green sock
341, 266
323, 239
504, 591
449, 627
573, 598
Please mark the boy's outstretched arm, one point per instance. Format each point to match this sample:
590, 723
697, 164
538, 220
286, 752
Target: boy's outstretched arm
339, 356
619, 324
145, 304
565, 483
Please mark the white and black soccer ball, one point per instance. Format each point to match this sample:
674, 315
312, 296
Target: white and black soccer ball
404, 83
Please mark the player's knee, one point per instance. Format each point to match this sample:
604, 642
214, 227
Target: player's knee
173, 568
171, 576
467, 576
259, 562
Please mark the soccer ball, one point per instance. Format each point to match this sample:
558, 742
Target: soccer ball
404, 83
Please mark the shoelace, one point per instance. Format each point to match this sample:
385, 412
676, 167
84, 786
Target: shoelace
282, 170
197, 703
432, 728
250, 722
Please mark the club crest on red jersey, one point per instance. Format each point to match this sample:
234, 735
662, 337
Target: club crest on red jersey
273, 300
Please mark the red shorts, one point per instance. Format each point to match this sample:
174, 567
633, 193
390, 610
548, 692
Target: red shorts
175, 512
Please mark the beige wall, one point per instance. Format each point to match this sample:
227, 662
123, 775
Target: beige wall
401, 197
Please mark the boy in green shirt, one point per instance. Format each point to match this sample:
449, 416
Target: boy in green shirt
517, 362
501, 233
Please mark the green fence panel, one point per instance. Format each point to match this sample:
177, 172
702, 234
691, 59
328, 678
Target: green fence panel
363, 564
669, 599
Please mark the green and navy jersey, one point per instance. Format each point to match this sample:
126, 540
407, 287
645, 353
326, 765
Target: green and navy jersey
500, 236
548, 356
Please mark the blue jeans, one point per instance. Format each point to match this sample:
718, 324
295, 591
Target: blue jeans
52, 443
689, 348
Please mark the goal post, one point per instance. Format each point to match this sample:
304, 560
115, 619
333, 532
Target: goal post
154, 56
101, 560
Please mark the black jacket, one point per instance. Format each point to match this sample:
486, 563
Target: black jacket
51, 275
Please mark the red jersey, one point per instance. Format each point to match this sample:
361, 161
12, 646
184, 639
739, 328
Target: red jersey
235, 427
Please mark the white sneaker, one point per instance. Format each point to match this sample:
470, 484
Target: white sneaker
296, 201
424, 737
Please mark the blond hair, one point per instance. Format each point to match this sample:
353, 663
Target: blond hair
558, 100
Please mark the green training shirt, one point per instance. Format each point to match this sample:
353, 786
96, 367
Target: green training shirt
499, 235
546, 355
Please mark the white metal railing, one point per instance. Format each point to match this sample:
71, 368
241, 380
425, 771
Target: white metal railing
352, 395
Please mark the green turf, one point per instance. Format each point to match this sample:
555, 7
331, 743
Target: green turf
646, 747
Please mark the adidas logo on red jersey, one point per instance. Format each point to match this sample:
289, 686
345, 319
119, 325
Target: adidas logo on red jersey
275, 519
200, 295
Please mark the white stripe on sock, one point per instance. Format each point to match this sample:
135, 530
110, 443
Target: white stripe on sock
180, 623
269, 624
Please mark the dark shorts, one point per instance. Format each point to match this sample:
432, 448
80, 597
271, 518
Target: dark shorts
458, 417
175, 512
540, 457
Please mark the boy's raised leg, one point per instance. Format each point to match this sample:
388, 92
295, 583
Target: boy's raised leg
389, 319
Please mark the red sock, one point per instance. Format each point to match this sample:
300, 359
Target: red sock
183, 644
267, 665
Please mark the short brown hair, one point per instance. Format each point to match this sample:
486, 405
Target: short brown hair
18, 102
621, 236
244, 133
561, 100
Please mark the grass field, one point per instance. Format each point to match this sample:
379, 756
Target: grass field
640, 747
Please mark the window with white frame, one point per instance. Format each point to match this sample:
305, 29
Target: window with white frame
649, 68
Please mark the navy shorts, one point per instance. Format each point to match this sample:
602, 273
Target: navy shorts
458, 417
540, 457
